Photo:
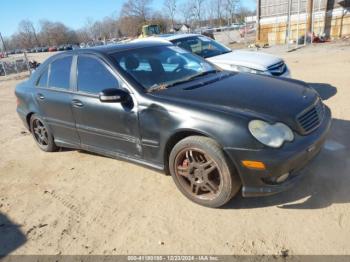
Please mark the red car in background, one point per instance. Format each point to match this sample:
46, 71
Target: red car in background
53, 49
3, 55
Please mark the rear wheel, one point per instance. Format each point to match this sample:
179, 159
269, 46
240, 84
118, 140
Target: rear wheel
202, 173
42, 134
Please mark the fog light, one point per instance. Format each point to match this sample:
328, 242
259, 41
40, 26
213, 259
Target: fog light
282, 178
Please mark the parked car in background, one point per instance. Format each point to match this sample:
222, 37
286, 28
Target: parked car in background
52, 49
67, 47
45, 49
3, 54
226, 58
60, 48
237, 25
92, 44
157, 104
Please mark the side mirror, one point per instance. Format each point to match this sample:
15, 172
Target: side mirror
113, 95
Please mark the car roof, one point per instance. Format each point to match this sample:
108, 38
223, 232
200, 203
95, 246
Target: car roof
113, 48
171, 37
164, 38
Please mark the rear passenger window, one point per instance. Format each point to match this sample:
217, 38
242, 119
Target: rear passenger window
60, 73
93, 76
42, 82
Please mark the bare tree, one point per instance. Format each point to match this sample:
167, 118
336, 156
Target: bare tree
243, 12
137, 8
133, 14
89, 28
159, 19
231, 6
170, 7
218, 8
197, 6
83, 36
129, 26
27, 34
56, 33
187, 12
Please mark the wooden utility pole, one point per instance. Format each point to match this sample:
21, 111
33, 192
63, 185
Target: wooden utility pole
310, 5
288, 26
258, 3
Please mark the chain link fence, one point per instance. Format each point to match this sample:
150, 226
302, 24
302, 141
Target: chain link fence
14, 65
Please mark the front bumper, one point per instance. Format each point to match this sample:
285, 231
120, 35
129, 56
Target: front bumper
289, 159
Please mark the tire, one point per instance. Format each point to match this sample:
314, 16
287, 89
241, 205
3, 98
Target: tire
202, 172
42, 134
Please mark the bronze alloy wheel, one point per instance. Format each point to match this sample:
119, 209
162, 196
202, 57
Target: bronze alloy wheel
202, 172
198, 173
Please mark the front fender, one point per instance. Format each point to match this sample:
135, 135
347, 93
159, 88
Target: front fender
160, 123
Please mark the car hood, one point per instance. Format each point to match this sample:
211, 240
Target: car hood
254, 60
269, 98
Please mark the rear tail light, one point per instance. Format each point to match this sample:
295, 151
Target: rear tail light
18, 102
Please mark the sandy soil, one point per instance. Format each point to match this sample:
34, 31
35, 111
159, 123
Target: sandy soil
73, 202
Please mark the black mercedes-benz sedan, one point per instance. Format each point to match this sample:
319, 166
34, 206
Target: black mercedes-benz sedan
152, 103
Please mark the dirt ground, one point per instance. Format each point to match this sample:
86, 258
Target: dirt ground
73, 202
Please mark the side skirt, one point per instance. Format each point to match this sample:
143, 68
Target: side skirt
111, 154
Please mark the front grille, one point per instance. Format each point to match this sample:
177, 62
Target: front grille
311, 118
277, 69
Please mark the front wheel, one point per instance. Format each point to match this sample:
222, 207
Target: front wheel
41, 134
202, 173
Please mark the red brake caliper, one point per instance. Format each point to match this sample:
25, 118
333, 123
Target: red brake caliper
185, 163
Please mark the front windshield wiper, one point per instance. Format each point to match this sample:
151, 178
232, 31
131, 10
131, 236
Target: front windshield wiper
202, 74
157, 87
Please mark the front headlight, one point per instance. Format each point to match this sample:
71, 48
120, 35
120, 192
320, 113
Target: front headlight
245, 69
270, 135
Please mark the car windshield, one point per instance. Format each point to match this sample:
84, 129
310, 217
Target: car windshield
202, 46
153, 30
160, 67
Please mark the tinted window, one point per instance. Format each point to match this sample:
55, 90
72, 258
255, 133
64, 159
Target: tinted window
159, 66
42, 82
202, 46
60, 73
93, 76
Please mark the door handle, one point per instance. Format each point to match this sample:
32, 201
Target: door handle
40, 96
77, 103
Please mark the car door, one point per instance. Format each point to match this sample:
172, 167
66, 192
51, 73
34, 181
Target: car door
110, 127
53, 94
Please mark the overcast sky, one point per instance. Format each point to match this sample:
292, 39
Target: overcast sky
72, 13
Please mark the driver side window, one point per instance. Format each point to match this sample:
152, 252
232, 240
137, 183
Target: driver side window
93, 76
